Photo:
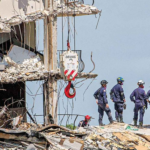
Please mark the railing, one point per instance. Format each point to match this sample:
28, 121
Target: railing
79, 53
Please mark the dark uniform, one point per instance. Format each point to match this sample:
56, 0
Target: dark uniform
139, 97
117, 95
148, 94
83, 123
100, 94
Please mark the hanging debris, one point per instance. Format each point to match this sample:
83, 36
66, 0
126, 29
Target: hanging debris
29, 11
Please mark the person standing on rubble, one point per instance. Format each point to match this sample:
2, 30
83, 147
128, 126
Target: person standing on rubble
118, 97
148, 95
85, 122
101, 99
139, 97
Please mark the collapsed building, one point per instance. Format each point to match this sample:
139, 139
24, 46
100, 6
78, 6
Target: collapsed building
20, 61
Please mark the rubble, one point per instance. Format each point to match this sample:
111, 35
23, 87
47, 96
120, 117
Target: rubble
30, 69
19, 54
10, 18
54, 137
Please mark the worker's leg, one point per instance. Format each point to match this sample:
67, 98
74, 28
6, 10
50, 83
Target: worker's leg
101, 113
120, 111
116, 112
108, 112
136, 109
142, 111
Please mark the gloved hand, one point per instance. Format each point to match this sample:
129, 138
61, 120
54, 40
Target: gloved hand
144, 107
124, 106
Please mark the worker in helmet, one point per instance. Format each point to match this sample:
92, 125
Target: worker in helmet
118, 97
85, 122
101, 99
139, 97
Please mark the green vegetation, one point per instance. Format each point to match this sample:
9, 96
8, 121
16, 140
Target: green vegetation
70, 126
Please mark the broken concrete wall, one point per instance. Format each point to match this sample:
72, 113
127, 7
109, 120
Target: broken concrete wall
12, 8
18, 54
31, 10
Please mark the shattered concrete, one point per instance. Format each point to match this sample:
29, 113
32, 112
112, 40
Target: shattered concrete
30, 70
16, 15
54, 137
19, 54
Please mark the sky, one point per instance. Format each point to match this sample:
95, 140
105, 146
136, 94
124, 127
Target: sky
120, 46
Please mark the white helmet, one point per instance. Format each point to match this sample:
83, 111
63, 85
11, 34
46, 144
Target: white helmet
141, 82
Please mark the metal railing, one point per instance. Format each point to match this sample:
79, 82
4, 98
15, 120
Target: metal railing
79, 53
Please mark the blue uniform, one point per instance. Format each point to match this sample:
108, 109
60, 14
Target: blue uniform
148, 94
139, 97
101, 95
117, 95
83, 123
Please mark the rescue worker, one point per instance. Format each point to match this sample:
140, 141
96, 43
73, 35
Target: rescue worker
139, 97
148, 95
118, 97
85, 122
101, 99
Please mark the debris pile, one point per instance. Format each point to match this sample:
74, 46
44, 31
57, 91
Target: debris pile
116, 136
30, 69
77, 9
23, 16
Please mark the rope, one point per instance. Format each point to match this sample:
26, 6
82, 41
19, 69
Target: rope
68, 40
62, 27
74, 27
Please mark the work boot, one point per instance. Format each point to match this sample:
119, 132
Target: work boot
117, 119
140, 125
135, 122
111, 122
101, 124
121, 120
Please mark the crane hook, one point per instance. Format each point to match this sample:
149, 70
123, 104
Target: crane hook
67, 90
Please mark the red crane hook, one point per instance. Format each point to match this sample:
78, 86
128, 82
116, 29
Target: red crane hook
67, 90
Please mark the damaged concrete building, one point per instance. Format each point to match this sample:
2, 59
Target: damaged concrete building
20, 61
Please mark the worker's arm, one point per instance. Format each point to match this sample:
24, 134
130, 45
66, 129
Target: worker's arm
145, 99
112, 95
96, 94
80, 124
122, 93
132, 96
148, 95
